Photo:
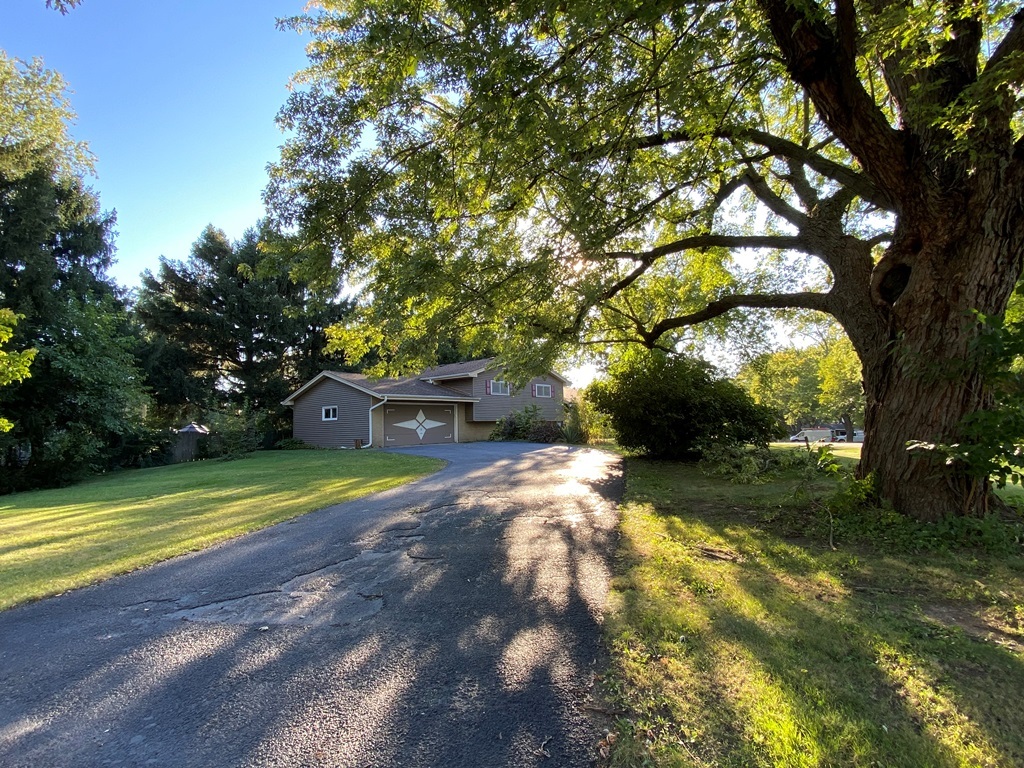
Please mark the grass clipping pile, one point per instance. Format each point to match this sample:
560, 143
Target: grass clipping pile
791, 624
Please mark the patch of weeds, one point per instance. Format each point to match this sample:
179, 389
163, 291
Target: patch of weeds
855, 514
737, 463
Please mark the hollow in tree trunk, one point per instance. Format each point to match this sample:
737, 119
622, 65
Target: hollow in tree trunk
925, 379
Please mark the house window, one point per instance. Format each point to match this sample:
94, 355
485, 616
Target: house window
330, 413
499, 388
542, 390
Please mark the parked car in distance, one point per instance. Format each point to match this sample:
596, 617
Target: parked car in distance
838, 436
812, 436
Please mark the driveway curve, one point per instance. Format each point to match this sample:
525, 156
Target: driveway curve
452, 622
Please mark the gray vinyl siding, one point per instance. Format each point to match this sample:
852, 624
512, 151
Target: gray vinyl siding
462, 386
353, 415
493, 407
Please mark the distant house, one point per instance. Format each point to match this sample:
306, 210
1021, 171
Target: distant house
457, 403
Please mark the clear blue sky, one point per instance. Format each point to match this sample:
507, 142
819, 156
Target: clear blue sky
176, 98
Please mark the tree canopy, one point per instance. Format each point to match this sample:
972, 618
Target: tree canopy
34, 116
542, 174
817, 383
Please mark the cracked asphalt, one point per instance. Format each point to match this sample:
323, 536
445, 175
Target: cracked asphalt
452, 622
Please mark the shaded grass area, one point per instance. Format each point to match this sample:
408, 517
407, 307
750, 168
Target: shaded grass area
740, 639
55, 540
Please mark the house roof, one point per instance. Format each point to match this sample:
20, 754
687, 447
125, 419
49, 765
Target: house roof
458, 370
420, 387
468, 369
409, 387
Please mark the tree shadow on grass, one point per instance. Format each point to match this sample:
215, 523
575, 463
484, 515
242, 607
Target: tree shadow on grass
798, 664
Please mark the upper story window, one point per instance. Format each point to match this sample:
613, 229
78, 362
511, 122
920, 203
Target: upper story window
497, 387
330, 413
542, 390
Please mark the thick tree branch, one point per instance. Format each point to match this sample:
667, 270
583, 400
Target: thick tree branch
780, 147
797, 179
804, 300
784, 242
1012, 43
757, 184
846, 28
958, 60
647, 258
822, 65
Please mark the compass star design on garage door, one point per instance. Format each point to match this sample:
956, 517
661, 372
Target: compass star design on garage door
421, 424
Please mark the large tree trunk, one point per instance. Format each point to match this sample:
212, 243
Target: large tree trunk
958, 244
922, 383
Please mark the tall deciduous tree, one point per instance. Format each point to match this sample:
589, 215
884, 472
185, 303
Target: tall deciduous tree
34, 115
814, 384
547, 172
786, 380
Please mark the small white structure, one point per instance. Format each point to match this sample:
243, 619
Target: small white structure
812, 436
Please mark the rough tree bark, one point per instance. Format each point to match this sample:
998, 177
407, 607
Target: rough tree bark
957, 249
924, 380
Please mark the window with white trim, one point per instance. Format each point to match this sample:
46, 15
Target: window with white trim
330, 413
542, 390
500, 388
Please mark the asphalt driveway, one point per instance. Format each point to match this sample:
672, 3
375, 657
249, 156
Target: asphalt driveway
450, 622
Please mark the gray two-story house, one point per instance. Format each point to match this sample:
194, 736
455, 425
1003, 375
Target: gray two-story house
457, 403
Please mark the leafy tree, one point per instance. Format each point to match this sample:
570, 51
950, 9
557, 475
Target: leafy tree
788, 382
841, 393
83, 395
34, 114
13, 365
811, 385
548, 173
219, 332
674, 406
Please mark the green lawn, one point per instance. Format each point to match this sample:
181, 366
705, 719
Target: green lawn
849, 451
55, 540
741, 638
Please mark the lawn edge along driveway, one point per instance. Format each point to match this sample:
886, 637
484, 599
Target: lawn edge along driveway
55, 540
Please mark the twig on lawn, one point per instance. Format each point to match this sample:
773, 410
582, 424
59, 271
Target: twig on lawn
543, 752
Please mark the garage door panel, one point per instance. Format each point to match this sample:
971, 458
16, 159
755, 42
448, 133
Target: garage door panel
419, 424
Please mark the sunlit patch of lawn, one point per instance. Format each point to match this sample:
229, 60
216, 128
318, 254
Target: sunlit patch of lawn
737, 641
55, 540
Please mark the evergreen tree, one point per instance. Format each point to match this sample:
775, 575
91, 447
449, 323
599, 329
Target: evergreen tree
84, 393
219, 333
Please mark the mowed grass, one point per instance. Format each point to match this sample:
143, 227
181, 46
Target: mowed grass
55, 540
848, 452
739, 640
